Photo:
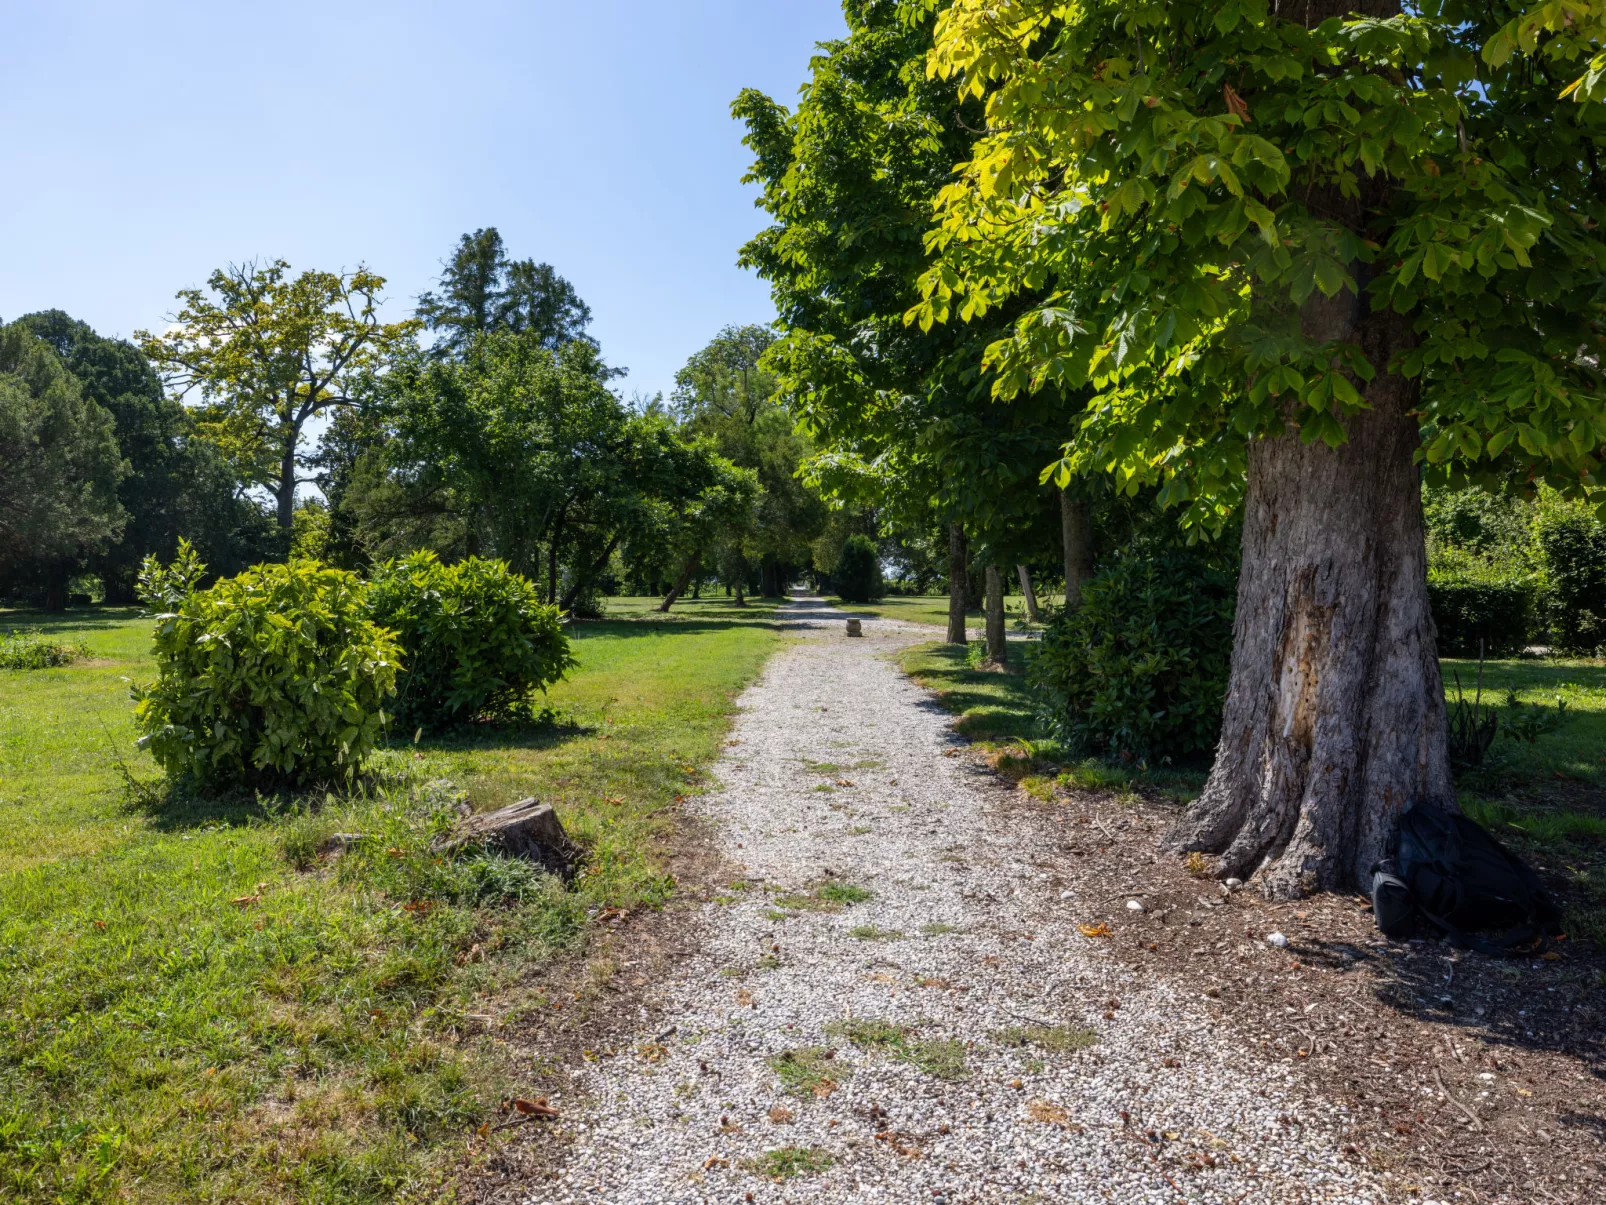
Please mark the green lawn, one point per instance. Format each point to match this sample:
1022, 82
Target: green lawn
195, 1006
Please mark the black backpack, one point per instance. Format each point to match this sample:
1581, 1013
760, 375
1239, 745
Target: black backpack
1449, 876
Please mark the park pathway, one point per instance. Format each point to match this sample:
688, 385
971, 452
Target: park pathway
841, 774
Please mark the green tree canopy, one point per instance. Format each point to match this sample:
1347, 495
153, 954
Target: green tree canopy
267, 353
177, 483
482, 290
59, 467
1300, 255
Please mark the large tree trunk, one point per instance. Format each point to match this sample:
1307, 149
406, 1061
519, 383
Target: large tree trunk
1076, 536
680, 586
1335, 720
958, 585
1026, 590
997, 652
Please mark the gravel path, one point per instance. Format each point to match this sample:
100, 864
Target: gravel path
836, 778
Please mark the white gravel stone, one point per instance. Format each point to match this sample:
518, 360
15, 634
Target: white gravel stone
960, 939
1278, 940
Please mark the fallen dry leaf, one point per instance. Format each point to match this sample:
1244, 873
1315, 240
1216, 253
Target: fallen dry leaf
781, 1115
245, 901
714, 1161
745, 997
1047, 1112
652, 1052
1098, 930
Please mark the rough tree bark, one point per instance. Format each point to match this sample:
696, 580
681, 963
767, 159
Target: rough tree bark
996, 650
1076, 537
1026, 590
1334, 720
958, 585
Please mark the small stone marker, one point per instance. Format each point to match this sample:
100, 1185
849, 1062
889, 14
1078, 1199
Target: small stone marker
855, 628
526, 829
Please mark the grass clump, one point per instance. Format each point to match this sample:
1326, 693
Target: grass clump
824, 897
784, 1162
32, 649
808, 1070
872, 933
943, 1058
937, 928
1059, 1039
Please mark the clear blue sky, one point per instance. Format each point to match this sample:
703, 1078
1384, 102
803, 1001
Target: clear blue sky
148, 143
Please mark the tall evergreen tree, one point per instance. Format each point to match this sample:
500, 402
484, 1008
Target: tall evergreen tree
481, 290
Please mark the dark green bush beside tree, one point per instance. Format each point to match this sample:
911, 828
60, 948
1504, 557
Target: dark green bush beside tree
1485, 611
1138, 672
476, 639
857, 575
1574, 544
277, 677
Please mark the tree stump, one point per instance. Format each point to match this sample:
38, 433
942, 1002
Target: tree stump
855, 628
526, 829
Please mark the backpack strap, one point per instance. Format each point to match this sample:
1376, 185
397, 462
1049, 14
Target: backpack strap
1503, 946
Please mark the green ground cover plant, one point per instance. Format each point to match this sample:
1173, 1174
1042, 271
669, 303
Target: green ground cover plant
199, 1001
32, 649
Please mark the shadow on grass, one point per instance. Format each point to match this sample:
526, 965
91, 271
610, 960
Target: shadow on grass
656, 624
78, 619
992, 705
178, 806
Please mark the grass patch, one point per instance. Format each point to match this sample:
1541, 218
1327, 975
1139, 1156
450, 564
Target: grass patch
1059, 1039
784, 1162
809, 1071
991, 706
937, 928
871, 933
823, 897
841, 893
943, 1058
198, 1003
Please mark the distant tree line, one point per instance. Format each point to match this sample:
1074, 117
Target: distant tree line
278, 416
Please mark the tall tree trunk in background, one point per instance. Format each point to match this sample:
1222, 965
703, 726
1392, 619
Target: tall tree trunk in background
56, 580
958, 583
680, 584
1076, 535
997, 651
597, 566
1026, 589
1335, 719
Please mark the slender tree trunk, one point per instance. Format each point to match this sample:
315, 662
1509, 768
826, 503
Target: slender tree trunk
958, 585
56, 587
597, 566
552, 571
285, 494
680, 584
1026, 589
1076, 536
997, 652
1334, 720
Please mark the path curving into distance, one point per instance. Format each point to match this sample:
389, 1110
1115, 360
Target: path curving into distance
871, 1050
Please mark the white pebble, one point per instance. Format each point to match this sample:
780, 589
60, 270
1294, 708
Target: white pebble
1134, 905
1277, 939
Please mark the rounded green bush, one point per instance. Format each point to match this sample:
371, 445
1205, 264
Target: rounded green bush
857, 576
476, 639
277, 676
1139, 671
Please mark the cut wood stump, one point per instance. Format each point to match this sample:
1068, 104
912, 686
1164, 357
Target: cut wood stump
855, 628
526, 829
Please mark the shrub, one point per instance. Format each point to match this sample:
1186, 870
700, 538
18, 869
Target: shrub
858, 571
1574, 544
475, 637
276, 676
1139, 670
1474, 601
32, 649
